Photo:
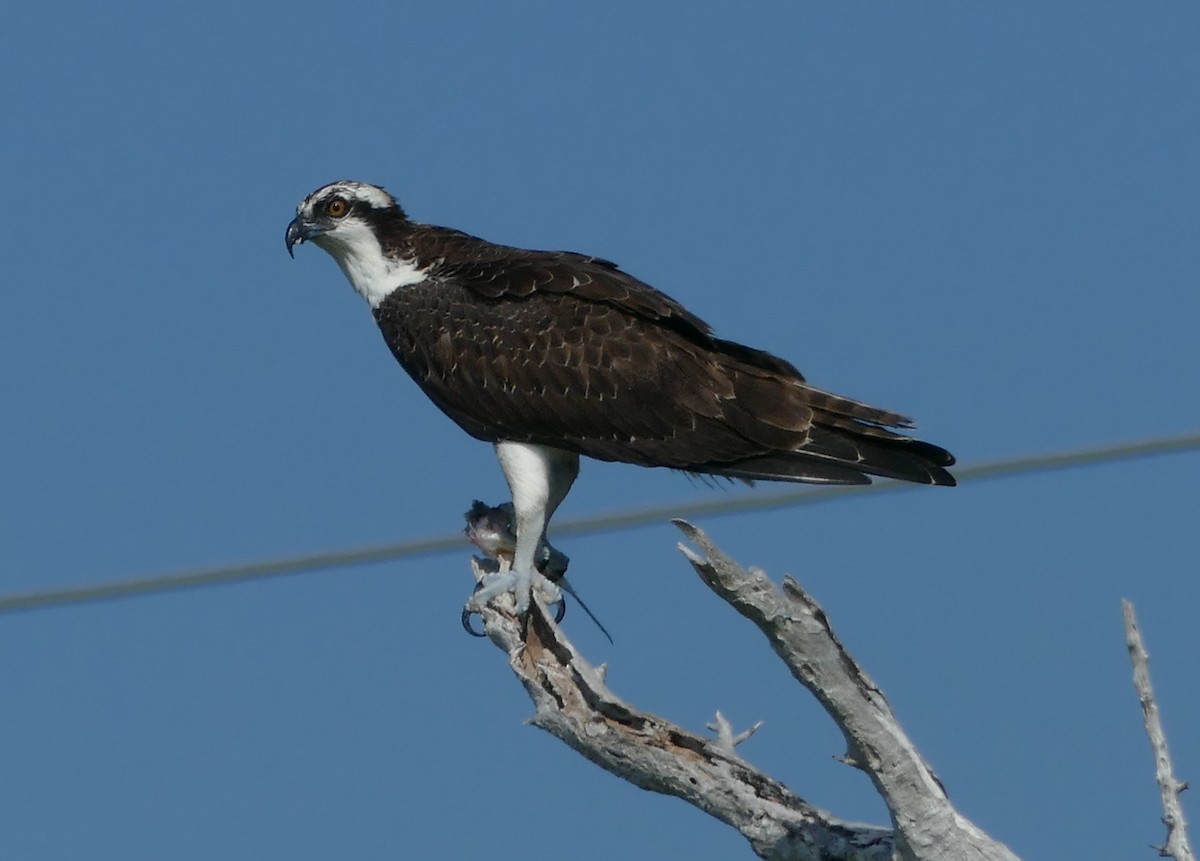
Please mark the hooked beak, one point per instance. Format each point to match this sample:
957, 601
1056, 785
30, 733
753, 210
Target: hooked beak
299, 232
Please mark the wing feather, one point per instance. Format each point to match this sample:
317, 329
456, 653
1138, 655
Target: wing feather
568, 351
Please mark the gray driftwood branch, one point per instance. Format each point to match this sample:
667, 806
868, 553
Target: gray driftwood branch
1177, 845
573, 703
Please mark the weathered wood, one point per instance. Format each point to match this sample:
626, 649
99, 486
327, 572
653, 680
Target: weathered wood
573, 703
1177, 846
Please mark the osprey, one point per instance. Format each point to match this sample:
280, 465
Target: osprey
550, 355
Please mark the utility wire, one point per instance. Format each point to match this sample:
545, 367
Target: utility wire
621, 520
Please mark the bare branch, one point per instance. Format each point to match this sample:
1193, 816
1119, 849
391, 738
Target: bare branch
726, 739
927, 825
573, 703
1177, 845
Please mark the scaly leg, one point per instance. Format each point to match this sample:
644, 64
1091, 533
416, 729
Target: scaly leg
539, 478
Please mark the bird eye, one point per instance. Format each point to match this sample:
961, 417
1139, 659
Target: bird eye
336, 208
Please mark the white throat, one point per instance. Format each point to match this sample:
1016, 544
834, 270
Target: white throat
372, 274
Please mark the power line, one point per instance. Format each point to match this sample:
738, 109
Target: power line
621, 520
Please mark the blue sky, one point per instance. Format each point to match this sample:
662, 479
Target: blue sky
982, 216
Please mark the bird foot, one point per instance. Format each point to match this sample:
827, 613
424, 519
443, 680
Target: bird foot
491, 529
504, 581
522, 587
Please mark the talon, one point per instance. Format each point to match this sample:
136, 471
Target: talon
560, 609
467, 613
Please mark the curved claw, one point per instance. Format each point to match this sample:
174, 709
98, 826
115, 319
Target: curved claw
560, 613
467, 613
560, 610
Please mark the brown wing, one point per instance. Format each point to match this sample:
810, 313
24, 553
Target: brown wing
567, 351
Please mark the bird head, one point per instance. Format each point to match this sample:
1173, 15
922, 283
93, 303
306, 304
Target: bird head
342, 213
361, 227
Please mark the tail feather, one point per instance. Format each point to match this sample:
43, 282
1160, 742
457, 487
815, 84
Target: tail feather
837, 456
861, 436
793, 431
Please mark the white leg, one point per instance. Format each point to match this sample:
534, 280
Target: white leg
539, 478
562, 476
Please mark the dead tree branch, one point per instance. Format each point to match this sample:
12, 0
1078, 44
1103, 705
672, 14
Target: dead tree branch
1177, 845
573, 703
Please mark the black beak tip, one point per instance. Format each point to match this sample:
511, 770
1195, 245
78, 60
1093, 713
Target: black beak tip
293, 236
